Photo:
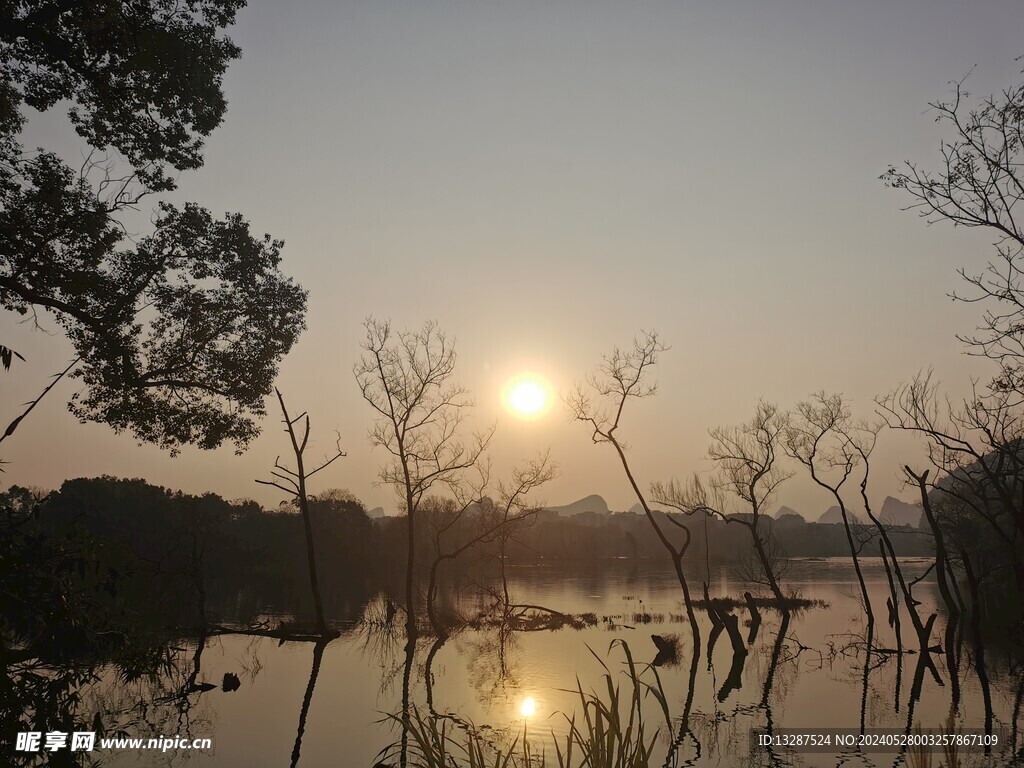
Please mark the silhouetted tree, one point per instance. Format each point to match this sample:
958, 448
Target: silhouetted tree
980, 183
747, 468
471, 519
816, 438
972, 498
293, 482
848, 446
406, 377
515, 512
974, 447
59, 615
621, 376
178, 334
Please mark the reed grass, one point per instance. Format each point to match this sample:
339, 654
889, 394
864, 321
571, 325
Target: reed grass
919, 755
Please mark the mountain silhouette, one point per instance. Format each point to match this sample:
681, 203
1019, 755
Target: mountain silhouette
896, 512
592, 503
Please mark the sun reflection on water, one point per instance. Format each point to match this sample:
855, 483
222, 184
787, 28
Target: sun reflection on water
528, 707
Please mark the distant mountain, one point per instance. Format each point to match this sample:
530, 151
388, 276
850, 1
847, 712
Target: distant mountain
893, 512
834, 515
896, 512
787, 517
375, 512
636, 509
592, 503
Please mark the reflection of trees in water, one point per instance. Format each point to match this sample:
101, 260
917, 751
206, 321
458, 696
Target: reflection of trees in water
491, 654
685, 740
719, 736
706, 729
169, 700
318, 655
381, 639
703, 731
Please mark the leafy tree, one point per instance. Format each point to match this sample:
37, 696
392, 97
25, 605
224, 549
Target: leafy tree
178, 334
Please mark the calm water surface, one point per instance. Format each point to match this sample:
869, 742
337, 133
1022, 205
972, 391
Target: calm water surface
819, 678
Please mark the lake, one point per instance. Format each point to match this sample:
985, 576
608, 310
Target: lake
814, 677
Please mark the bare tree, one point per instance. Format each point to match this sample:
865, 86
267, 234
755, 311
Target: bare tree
751, 565
747, 469
980, 183
975, 450
624, 375
816, 439
406, 377
825, 438
861, 440
516, 512
471, 519
293, 482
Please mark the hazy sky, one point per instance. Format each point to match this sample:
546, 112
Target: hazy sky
544, 179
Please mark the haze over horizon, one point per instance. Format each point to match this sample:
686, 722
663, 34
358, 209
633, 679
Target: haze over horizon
545, 181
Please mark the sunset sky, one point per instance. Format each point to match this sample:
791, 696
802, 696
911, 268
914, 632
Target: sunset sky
546, 179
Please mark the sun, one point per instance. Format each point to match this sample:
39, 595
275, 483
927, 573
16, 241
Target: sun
527, 396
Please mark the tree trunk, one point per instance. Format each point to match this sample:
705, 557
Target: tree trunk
410, 587
773, 583
856, 566
677, 555
435, 622
314, 582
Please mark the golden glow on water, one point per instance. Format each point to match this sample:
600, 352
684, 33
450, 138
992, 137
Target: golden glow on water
528, 708
527, 396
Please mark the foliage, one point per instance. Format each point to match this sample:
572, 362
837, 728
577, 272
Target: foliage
177, 334
7, 356
59, 616
175, 551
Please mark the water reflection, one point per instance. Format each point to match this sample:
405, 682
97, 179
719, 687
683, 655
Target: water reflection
802, 669
318, 655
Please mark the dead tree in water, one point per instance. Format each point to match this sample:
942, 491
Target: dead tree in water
977, 452
621, 376
449, 519
406, 377
975, 446
293, 482
515, 512
815, 439
970, 499
861, 440
748, 469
